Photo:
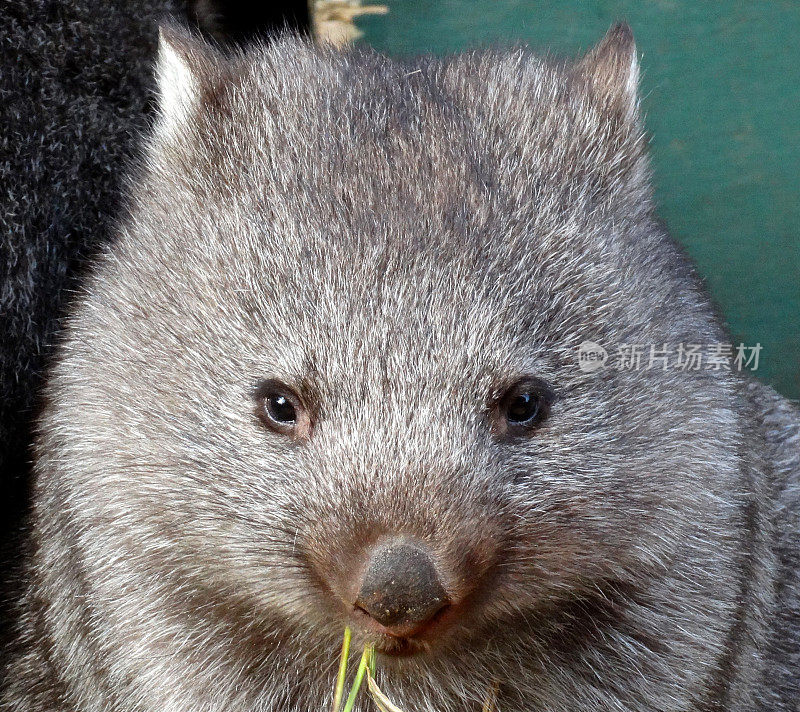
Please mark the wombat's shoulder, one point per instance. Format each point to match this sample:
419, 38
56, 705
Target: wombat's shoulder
780, 422
780, 419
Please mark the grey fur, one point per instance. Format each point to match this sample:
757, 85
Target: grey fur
400, 241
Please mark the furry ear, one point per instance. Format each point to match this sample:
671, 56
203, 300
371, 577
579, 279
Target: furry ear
185, 67
612, 69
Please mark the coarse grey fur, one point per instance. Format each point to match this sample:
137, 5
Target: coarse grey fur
400, 242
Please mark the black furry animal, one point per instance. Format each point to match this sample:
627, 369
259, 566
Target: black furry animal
75, 96
326, 374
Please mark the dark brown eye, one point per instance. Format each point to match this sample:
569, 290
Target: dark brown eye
524, 406
281, 410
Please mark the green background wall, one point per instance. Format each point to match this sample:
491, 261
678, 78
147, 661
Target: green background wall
721, 94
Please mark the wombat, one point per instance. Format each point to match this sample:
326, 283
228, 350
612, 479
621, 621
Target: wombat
327, 375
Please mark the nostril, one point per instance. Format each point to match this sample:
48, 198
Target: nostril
401, 588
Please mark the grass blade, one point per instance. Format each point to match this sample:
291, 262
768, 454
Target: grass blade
362, 668
339, 692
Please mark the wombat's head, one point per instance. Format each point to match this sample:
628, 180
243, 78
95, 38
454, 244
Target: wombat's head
328, 373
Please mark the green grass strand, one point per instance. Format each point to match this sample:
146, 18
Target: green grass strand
362, 668
339, 692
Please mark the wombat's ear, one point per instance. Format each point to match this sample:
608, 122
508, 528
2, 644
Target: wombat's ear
186, 66
612, 69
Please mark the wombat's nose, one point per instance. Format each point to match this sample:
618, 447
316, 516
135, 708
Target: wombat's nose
401, 589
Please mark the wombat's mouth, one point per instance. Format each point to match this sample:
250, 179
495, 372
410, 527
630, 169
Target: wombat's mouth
403, 642
398, 647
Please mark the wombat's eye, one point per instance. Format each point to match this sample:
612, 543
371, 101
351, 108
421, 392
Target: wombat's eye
523, 407
281, 410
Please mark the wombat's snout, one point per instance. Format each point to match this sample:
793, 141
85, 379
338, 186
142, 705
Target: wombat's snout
401, 588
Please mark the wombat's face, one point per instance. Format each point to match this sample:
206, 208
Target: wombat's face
328, 374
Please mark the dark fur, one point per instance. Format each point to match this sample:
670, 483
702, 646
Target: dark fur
75, 91
244, 21
75, 95
400, 242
